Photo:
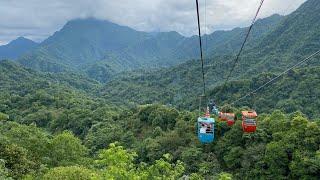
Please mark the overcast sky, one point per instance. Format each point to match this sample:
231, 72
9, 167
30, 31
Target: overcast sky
38, 19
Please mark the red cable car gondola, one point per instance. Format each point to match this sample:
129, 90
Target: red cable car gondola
249, 122
229, 117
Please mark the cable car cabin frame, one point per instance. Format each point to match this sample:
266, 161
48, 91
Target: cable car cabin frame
229, 117
205, 128
249, 122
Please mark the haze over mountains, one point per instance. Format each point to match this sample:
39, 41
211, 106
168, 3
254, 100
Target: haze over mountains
16, 48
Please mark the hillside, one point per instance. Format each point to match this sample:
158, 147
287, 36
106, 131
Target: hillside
16, 48
221, 43
167, 86
14, 76
296, 36
73, 134
296, 91
176, 85
181, 89
28, 97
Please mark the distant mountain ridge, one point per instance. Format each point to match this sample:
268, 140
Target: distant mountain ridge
101, 48
16, 48
14, 75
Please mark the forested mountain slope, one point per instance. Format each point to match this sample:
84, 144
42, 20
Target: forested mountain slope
16, 48
298, 90
296, 37
15, 76
45, 99
176, 85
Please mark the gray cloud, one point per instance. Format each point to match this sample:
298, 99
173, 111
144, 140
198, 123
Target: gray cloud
38, 19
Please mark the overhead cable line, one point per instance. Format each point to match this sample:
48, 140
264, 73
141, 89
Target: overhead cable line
201, 53
205, 29
243, 44
277, 77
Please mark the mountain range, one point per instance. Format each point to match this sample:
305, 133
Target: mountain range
146, 67
101, 48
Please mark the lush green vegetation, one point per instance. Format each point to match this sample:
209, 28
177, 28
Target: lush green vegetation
141, 124
298, 90
283, 44
51, 128
158, 142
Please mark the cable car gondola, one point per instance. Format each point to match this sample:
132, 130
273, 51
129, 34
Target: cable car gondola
249, 123
228, 117
206, 129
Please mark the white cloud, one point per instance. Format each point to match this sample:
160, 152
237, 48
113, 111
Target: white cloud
37, 19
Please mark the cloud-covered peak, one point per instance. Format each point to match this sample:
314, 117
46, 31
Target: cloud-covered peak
38, 19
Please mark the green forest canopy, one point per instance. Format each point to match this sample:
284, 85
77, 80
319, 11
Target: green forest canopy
57, 131
68, 126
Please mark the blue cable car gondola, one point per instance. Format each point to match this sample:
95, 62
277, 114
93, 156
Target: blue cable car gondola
206, 129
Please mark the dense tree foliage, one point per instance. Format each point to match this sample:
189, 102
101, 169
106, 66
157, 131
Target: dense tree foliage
142, 125
297, 90
157, 142
60, 130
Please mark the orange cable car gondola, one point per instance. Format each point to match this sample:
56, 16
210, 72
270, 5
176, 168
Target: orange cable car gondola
228, 117
249, 122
